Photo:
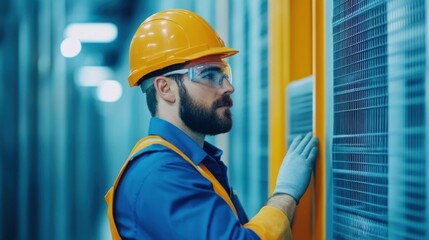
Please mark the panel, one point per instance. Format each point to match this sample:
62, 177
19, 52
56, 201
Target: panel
299, 108
378, 155
407, 122
359, 138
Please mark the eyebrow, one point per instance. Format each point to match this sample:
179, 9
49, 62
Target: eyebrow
211, 69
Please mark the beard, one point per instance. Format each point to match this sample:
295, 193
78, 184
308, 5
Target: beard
203, 119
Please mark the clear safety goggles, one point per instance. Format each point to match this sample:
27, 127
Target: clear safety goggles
209, 73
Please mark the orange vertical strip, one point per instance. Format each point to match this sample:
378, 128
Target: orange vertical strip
320, 118
301, 39
278, 78
300, 67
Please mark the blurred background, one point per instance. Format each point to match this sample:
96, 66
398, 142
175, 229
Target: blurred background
69, 119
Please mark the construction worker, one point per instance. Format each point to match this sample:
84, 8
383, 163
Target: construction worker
174, 184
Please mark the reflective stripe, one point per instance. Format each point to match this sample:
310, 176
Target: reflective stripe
143, 143
109, 200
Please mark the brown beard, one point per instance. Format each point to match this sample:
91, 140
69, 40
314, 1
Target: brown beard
202, 119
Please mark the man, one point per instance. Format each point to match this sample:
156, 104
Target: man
174, 185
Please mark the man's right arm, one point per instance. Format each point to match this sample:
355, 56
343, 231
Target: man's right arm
273, 221
285, 203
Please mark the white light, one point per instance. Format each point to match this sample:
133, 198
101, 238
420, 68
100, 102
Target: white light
92, 32
70, 47
109, 91
91, 76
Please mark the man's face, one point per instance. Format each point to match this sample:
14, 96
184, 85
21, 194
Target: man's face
209, 120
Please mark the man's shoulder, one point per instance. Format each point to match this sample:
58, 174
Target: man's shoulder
157, 159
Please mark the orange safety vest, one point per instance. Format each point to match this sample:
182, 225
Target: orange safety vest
143, 143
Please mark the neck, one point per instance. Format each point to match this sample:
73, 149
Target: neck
197, 137
176, 121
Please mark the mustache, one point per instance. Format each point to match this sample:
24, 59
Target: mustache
224, 101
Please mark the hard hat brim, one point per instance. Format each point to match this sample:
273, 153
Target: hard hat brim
181, 57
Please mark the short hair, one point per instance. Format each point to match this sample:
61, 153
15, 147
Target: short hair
151, 100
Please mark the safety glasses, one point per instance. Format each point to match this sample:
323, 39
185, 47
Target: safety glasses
209, 73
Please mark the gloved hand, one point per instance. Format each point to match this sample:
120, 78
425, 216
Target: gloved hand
295, 171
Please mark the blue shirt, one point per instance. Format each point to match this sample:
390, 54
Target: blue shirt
161, 196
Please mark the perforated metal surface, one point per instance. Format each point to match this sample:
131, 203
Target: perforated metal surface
299, 108
378, 155
359, 151
407, 123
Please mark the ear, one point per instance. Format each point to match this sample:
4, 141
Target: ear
164, 89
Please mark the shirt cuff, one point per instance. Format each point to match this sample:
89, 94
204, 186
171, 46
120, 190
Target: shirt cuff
270, 223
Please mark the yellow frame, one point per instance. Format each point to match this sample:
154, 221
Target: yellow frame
296, 33
319, 114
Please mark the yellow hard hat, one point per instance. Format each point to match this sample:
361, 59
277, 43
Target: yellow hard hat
170, 37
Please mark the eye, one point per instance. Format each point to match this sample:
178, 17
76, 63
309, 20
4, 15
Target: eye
226, 76
210, 75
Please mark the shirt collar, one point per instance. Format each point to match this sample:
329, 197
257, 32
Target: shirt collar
182, 141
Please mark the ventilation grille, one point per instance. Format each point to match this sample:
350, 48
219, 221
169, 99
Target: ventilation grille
299, 108
379, 125
407, 122
359, 147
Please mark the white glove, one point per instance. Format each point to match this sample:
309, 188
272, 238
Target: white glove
295, 171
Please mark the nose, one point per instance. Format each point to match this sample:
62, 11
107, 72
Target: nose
226, 87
